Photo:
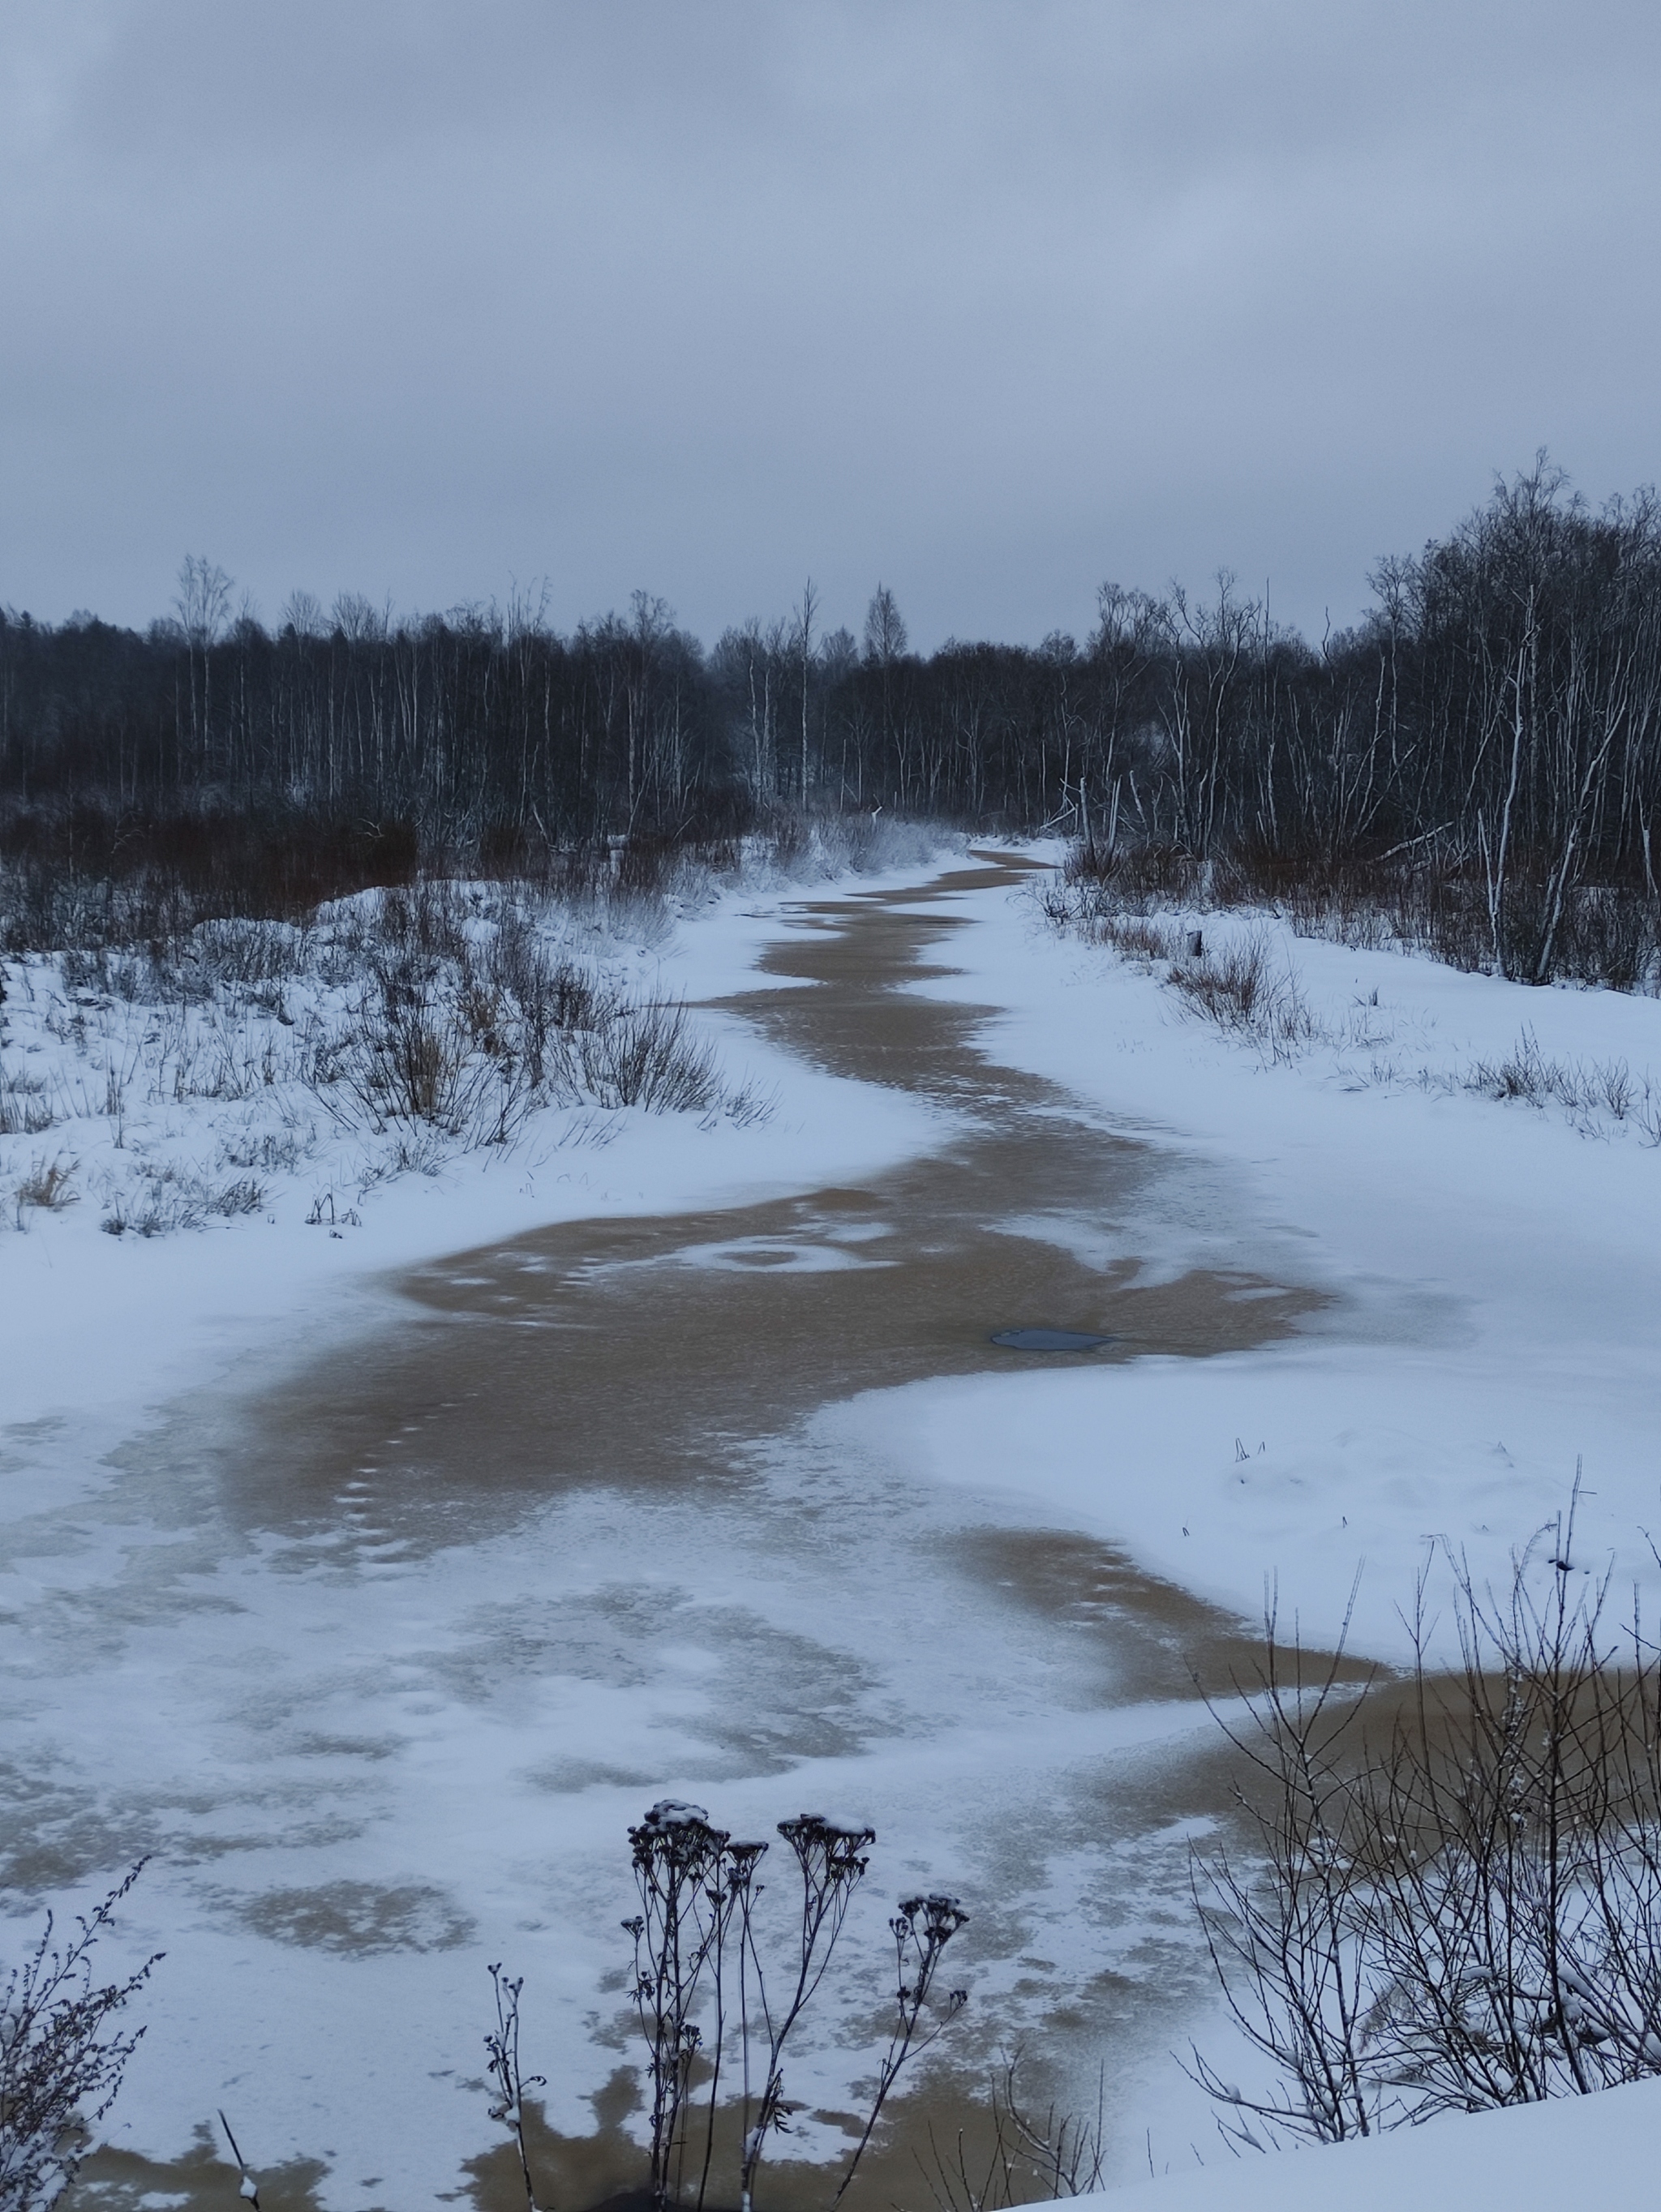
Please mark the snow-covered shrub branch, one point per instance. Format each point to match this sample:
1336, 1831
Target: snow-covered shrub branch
63, 2053
1030, 2158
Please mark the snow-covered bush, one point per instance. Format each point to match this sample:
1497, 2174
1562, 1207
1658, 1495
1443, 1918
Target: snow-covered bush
394, 1030
62, 2057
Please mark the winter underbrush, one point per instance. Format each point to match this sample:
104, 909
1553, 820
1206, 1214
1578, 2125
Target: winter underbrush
819, 847
174, 1084
177, 1052
1448, 1894
96, 878
1527, 923
173, 1066
1233, 968
719, 1988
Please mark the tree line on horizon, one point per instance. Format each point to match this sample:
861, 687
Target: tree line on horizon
1498, 709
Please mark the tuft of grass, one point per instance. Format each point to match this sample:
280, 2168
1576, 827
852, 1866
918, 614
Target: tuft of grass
278, 1150
1593, 1092
23, 1108
1241, 990
172, 1198
47, 1186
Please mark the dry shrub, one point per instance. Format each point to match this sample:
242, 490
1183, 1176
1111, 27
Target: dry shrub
1137, 875
1240, 987
62, 2057
1453, 1898
445, 1038
1139, 938
1241, 990
647, 1055
48, 1185
470, 1024
1029, 2160
697, 1931
1231, 989
415, 1060
719, 1995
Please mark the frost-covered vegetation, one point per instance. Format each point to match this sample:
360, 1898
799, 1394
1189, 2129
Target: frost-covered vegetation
178, 1079
706, 2003
716, 1995
1231, 968
170, 1085
64, 2044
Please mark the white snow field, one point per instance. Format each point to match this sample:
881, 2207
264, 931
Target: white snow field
284, 1730
1529, 2158
1495, 1268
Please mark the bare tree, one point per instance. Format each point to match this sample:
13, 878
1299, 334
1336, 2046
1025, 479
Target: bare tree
203, 604
1474, 769
885, 642
886, 638
803, 625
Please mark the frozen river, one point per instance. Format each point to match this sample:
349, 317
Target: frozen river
380, 1660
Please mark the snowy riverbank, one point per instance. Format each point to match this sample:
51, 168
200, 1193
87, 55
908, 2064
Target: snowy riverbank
373, 1730
99, 1327
1528, 2158
1494, 1270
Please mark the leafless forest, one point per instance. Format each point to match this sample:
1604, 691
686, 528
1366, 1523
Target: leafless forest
1475, 767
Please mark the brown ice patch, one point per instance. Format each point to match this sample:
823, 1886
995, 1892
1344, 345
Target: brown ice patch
650, 1350
360, 1916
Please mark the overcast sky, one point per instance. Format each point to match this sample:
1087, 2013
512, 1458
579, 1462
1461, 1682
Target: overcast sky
990, 302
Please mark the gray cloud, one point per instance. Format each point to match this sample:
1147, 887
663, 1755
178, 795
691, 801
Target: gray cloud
991, 301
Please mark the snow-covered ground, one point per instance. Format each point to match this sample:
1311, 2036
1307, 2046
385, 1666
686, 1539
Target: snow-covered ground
214, 1108
133, 1635
1529, 2158
1491, 1272
1494, 1270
